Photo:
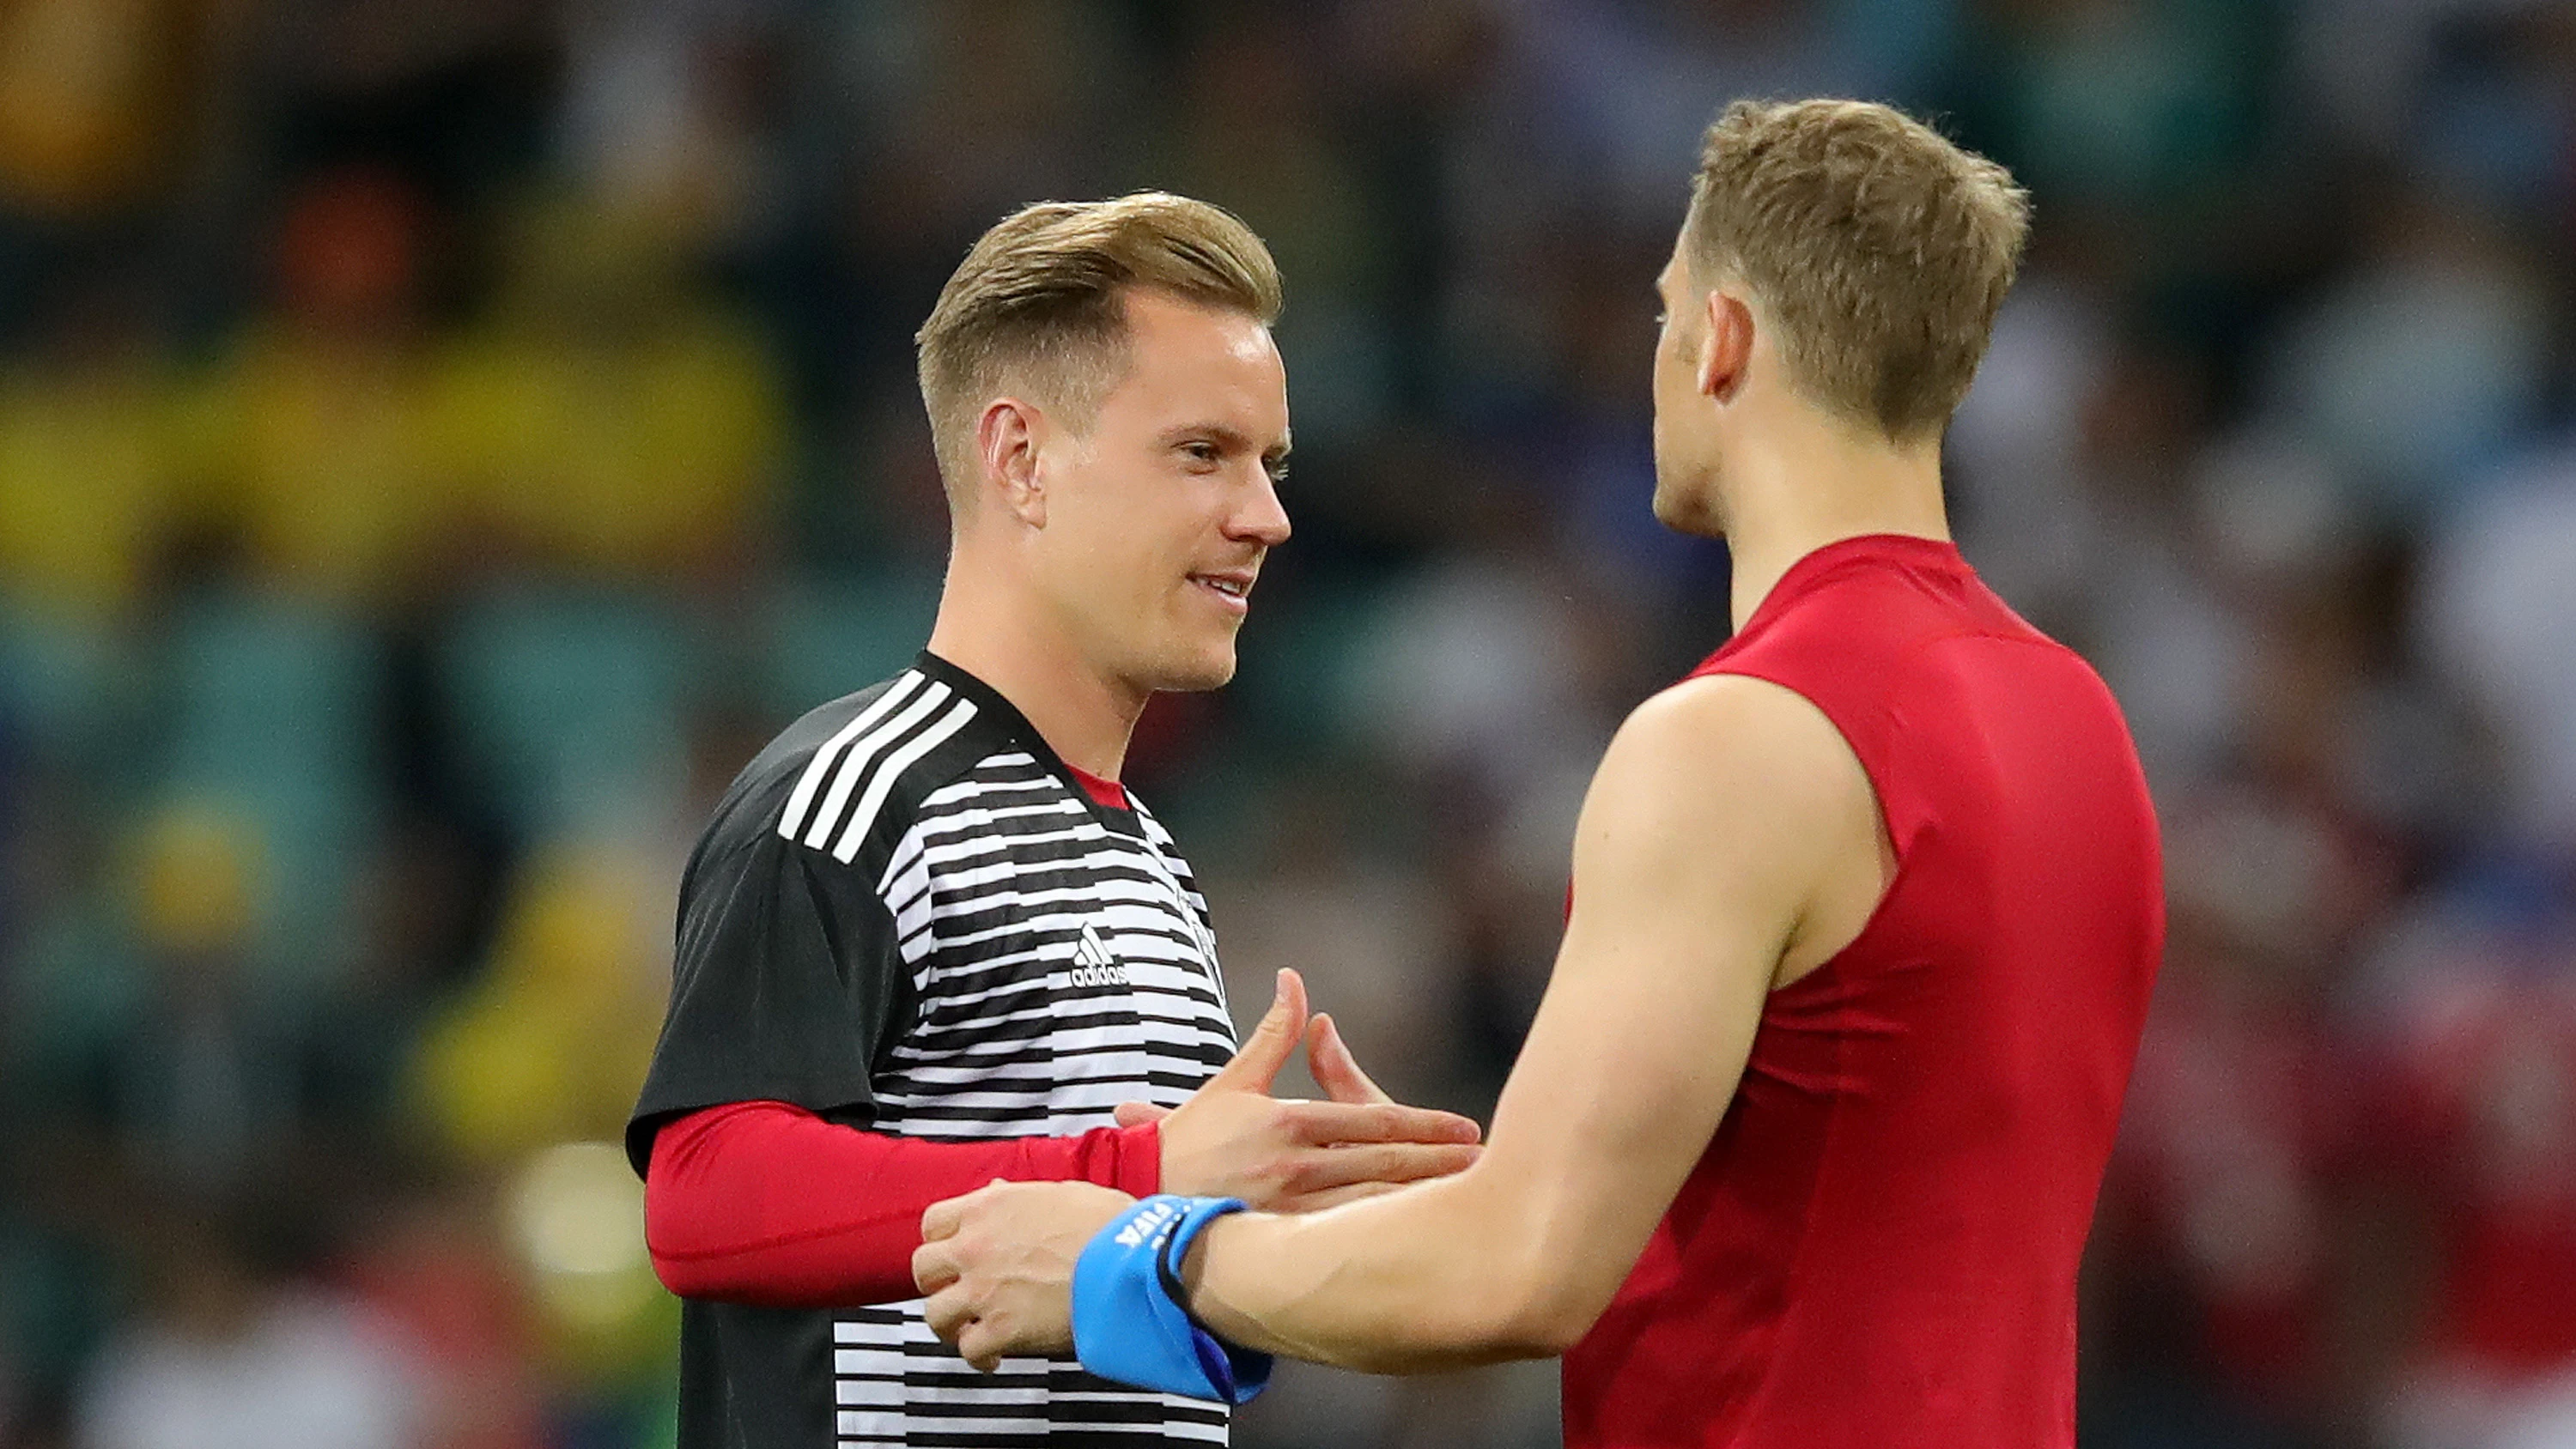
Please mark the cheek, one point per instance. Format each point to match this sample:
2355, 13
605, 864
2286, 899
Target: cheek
1096, 542
1672, 373
1131, 564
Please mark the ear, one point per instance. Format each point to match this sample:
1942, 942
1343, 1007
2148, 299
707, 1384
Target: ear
1726, 345
1006, 445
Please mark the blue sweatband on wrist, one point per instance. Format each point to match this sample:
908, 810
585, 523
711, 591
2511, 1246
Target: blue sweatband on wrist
1128, 1323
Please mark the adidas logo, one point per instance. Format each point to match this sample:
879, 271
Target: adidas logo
1092, 963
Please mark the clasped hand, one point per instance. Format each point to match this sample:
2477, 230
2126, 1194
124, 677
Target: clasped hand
997, 1263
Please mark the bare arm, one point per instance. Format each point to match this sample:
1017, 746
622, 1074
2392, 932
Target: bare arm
1725, 814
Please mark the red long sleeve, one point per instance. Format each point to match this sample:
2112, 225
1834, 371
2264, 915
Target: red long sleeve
766, 1203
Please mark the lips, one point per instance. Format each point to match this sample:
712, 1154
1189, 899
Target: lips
1233, 587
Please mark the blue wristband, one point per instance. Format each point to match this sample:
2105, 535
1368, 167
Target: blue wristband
1128, 1323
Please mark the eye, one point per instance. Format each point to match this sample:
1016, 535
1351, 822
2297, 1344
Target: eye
1202, 451
1278, 471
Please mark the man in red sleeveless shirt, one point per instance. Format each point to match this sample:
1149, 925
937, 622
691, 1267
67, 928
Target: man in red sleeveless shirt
1804, 1141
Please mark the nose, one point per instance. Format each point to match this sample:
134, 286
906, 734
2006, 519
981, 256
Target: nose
1259, 517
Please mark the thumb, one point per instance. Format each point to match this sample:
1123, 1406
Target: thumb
1336, 1071
1137, 1114
1271, 1043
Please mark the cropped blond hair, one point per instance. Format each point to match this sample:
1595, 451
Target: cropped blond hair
1879, 249
1039, 305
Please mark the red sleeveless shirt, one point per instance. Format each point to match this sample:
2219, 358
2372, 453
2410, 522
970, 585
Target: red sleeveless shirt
1878, 1249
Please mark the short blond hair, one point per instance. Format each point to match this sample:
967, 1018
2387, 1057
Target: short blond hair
1040, 303
1879, 249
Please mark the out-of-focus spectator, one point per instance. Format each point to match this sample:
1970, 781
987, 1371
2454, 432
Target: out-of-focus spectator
2237, 1153
93, 94
525, 1081
2477, 1034
2127, 105
234, 1353
2016, 444
548, 1044
2500, 585
607, 421
431, 1268
203, 1080
2420, 371
90, 464
319, 425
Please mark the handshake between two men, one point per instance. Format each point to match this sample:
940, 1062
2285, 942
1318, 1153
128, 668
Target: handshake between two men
1231, 1139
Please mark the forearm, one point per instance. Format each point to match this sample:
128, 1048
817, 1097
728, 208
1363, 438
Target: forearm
1437, 1276
766, 1203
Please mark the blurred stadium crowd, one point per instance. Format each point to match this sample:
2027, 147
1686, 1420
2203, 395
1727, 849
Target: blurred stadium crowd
439, 442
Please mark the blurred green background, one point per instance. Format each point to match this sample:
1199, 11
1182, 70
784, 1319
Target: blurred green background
440, 441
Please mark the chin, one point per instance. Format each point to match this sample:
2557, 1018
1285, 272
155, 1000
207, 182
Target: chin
1681, 512
1193, 671
1213, 673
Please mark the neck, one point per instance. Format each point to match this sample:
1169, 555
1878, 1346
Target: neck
1815, 484
993, 629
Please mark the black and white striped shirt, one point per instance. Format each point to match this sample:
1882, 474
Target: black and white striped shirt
908, 916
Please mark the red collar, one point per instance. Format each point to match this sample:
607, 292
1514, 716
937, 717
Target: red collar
1104, 792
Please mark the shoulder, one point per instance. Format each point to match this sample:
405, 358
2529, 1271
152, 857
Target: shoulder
1726, 758
1727, 808
1862, 618
850, 774
1730, 727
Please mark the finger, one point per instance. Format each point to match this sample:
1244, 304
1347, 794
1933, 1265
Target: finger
949, 1313
1333, 1197
1271, 1043
1394, 1162
987, 1340
1336, 1071
1329, 1122
1137, 1114
934, 1266
942, 1218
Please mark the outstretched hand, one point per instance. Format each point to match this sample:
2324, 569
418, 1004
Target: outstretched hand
1233, 1139
996, 1265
